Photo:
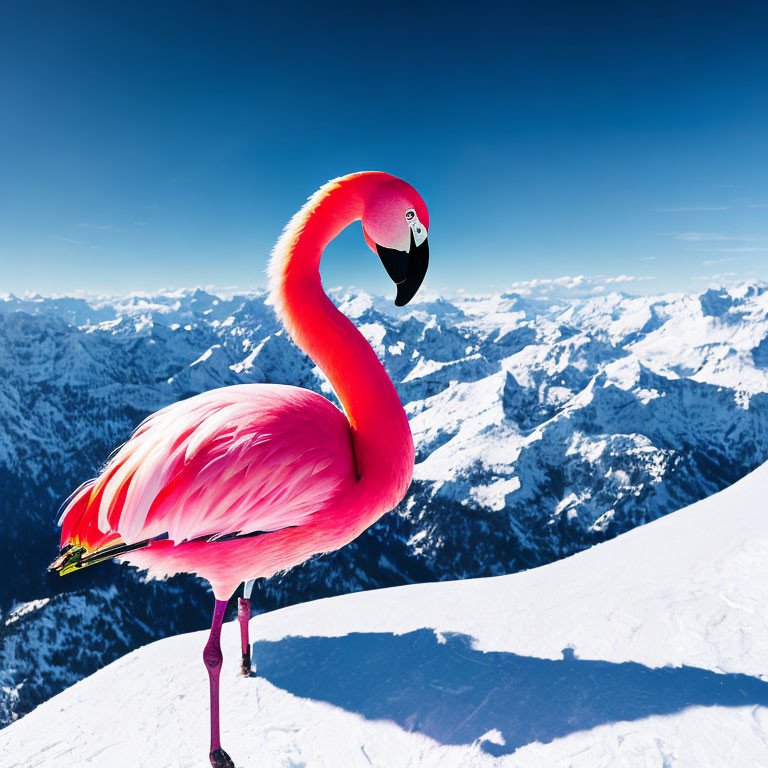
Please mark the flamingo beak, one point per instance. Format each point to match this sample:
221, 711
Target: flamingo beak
406, 268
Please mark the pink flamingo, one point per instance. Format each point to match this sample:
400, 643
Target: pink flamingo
243, 482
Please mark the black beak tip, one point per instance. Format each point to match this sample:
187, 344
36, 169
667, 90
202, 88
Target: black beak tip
406, 268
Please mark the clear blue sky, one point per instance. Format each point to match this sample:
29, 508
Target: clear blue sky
145, 145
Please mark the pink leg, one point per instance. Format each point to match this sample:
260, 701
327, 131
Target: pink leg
243, 615
212, 658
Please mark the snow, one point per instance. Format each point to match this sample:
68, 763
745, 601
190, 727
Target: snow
648, 650
24, 609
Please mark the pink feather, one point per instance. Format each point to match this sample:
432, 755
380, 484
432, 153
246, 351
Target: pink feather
276, 460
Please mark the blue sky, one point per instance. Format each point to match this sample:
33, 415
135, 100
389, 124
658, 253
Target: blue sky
167, 144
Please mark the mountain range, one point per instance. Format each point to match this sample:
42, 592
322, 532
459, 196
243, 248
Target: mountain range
543, 425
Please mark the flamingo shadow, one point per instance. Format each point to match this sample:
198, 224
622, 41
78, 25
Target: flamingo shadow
444, 688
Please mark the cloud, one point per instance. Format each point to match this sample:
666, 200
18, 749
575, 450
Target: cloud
709, 262
70, 241
699, 236
694, 208
745, 249
102, 227
684, 208
721, 277
648, 258
572, 286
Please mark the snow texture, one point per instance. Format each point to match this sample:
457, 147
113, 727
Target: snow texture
648, 650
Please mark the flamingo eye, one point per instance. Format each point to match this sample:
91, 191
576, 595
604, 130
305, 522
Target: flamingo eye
410, 215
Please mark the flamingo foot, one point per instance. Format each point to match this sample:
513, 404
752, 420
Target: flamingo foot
245, 666
220, 759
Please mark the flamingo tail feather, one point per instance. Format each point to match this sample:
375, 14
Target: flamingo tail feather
74, 557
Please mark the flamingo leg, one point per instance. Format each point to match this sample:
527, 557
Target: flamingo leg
213, 658
244, 615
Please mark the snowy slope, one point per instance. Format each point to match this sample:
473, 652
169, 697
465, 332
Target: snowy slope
648, 650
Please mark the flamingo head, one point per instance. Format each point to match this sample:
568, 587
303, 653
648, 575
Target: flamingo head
395, 226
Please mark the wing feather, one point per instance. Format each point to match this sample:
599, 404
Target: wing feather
254, 457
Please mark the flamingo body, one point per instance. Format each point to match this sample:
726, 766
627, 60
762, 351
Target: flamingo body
280, 461
244, 459
242, 482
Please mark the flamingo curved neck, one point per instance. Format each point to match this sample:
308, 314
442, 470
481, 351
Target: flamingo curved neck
381, 435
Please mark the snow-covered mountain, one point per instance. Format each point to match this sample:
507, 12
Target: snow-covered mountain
542, 426
648, 650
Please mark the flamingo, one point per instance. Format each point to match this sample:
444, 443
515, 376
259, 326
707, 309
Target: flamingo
242, 482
